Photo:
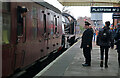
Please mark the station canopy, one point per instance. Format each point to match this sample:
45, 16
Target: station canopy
90, 2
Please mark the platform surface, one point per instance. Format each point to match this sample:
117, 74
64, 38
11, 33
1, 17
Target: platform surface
70, 64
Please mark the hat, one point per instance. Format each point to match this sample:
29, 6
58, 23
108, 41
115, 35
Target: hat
24, 9
87, 23
118, 24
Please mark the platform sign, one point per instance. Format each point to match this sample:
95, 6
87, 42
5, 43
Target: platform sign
116, 16
105, 9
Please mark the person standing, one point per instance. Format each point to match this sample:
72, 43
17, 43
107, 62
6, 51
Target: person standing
104, 40
117, 41
113, 32
115, 28
94, 34
86, 44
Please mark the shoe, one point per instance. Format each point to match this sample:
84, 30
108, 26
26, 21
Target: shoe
86, 64
101, 64
106, 66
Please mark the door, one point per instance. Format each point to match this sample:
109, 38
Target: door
21, 38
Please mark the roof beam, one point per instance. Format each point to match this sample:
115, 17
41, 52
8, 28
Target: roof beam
89, 2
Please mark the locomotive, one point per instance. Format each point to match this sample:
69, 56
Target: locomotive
30, 31
69, 30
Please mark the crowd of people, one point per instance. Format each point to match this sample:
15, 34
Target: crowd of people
105, 37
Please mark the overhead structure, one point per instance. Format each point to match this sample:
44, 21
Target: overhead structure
89, 2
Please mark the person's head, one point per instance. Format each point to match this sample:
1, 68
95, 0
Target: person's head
90, 26
86, 25
24, 11
107, 23
118, 25
111, 28
114, 27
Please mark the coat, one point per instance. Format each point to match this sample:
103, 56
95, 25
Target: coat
87, 38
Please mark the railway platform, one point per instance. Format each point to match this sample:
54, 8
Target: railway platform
70, 64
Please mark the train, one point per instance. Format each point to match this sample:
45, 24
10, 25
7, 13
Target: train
26, 39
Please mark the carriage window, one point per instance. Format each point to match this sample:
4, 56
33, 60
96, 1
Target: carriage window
44, 22
35, 22
34, 12
6, 6
34, 28
52, 25
55, 21
6, 29
55, 25
6, 23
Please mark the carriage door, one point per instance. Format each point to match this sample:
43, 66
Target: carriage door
21, 36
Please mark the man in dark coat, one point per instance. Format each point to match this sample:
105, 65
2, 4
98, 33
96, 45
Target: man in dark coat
21, 13
105, 41
86, 44
117, 40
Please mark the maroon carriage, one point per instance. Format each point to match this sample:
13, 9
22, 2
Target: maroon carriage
28, 38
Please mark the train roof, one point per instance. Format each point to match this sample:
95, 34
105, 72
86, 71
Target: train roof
49, 6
